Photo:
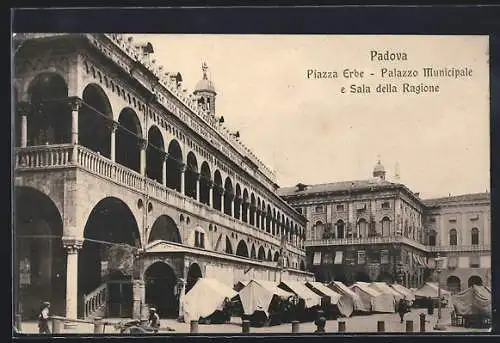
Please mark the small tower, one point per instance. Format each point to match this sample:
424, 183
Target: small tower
205, 91
379, 170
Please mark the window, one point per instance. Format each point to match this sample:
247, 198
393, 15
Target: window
432, 238
386, 226
386, 205
298, 209
361, 257
199, 239
384, 256
453, 237
340, 207
474, 261
475, 236
319, 209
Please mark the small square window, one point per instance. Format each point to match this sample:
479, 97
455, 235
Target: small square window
340, 207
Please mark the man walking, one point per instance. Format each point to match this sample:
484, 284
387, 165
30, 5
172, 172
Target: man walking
402, 308
43, 319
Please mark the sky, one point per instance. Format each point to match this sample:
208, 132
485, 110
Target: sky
307, 131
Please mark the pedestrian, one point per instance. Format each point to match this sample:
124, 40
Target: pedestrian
320, 325
154, 320
402, 308
43, 318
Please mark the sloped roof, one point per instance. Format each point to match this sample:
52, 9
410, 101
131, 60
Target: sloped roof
340, 186
485, 196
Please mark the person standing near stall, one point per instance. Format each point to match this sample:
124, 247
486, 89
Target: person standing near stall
43, 319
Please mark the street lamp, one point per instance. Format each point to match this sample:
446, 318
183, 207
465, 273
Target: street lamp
439, 269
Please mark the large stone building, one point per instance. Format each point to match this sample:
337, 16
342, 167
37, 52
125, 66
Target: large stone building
373, 229
128, 188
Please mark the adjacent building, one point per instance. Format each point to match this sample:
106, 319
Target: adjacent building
377, 230
128, 187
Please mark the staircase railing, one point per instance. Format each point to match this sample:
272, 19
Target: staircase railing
95, 300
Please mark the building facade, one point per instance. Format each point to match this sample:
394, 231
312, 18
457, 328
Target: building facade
376, 230
128, 187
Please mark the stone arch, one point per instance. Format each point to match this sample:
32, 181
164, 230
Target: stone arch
228, 195
191, 175
237, 202
155, 154
269, 217
160, 283
302, 265
244, 206
129, 140
205, 183
112, 237
165, 228
217, 191
39, 257
193, 274
242, 249
175, 164
261, 255
253, 252
50, 119
229, 246
453, 284
276, 256
95, 120
253, 204
474, 280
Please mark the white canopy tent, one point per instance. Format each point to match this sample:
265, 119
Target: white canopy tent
340, 288
206, 297
258, 295
343, 302
385, 288
404, 291
430, 290
378, 301
311, 299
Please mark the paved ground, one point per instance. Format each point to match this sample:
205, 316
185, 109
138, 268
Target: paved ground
355, 324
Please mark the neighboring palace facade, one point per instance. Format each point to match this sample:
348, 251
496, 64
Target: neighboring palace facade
376, 230
128, 188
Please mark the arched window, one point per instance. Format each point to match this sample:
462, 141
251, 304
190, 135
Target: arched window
319, 229
432, 238
475, 236
453, 237
386, 226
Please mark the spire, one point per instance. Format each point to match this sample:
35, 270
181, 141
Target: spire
204, 68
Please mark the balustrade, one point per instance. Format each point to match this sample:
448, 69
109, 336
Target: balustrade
95, 300
41, 157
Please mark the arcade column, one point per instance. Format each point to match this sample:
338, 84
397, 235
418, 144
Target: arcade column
72, 246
